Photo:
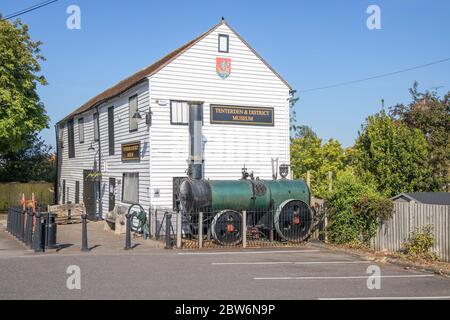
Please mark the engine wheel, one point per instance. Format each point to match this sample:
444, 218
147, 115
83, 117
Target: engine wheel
226, 228
293, 220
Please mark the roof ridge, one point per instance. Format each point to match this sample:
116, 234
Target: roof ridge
138, 76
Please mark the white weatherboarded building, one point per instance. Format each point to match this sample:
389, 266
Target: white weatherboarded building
133, 139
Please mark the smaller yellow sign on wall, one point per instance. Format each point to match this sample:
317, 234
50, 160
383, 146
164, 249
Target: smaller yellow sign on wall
131, 151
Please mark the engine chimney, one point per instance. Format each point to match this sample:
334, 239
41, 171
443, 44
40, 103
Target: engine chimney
195, 140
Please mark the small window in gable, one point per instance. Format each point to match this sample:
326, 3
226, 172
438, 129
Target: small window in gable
224, 43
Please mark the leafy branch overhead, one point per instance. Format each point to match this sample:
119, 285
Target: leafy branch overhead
21, 111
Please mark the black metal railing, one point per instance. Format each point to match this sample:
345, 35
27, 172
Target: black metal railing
35, 230
292, 224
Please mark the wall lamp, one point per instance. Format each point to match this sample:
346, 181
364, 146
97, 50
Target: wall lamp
148, 117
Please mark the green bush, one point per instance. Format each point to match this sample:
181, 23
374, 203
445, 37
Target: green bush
354, 209
420, 244
371, 209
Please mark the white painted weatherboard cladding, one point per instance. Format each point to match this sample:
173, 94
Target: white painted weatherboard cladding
72, 169
164, 147
115, 167
192, 77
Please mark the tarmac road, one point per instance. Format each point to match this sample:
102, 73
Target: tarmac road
306, 273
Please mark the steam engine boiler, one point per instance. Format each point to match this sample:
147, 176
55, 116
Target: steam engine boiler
278, 207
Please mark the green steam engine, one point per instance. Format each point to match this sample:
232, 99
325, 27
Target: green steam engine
279, 208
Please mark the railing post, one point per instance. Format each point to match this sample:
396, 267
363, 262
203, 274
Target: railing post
22, 226
128, 232
149, 223
13, 222
168, 227
37, 239
46, 228
157, 229
16, 223
69, 215
200, 230
29, 232
244, 229
271, 231
179, 228
84, 239
155, 224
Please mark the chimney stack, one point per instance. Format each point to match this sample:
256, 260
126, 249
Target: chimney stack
195, 140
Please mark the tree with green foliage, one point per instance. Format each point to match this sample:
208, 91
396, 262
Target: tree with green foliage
354, 209
33, 162
392, 155
21, 112
308, 153
431, 115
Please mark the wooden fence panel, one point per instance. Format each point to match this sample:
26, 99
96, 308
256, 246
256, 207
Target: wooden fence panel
408, 217
11, 193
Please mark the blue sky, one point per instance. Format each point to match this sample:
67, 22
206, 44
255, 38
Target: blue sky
310, 43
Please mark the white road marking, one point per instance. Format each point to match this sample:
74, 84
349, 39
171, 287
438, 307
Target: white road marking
290, 262
245, 252
248, 263
390, 298
345, 278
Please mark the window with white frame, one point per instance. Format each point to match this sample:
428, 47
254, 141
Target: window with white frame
224, 43
179, 112
130, 187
